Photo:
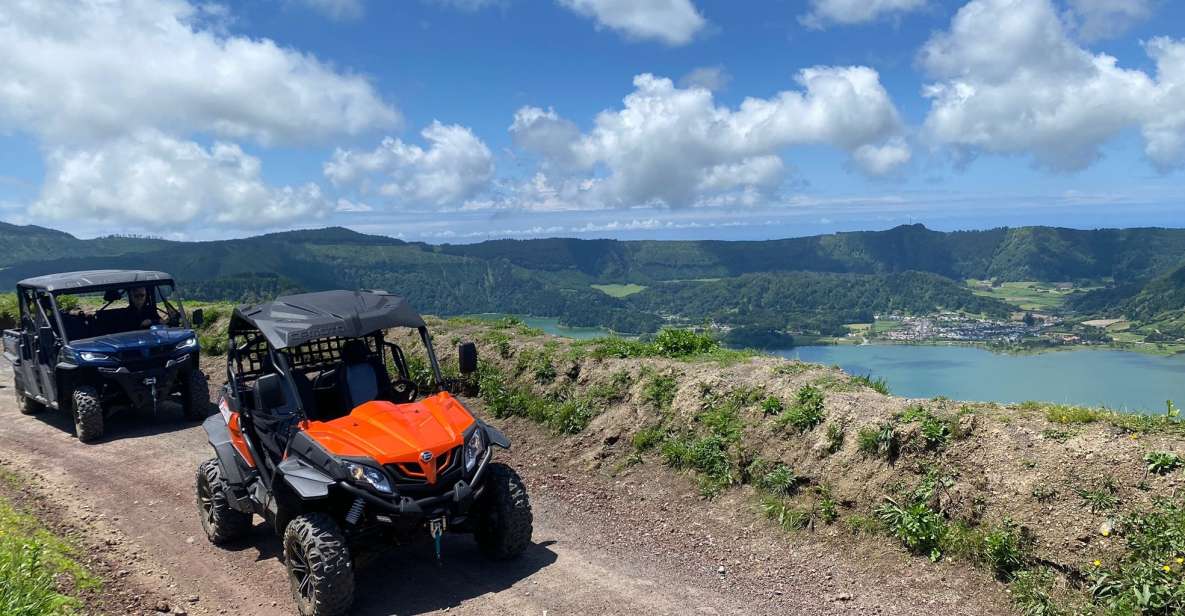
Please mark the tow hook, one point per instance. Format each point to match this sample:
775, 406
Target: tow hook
436, 527
151, 383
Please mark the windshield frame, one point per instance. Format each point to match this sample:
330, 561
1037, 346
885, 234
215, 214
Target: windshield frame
172, 301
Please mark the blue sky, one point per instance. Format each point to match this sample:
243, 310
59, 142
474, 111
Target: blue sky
463, 120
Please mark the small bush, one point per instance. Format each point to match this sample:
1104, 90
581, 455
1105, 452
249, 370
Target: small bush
919, 527
827, 508
31, 560
772, 406
1161, 462
878, 441
878, 385
683, 343
613, 390
778, 481
1031, 593
723, 420
659, 391
785, 515
1101, 498
707, 455
570, 416
935, 431
806, 412
1006, 549
835, 436
648, 438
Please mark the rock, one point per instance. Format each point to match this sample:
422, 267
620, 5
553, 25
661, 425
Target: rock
720, 570
843, 596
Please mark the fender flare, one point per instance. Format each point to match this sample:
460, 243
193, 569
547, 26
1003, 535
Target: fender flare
218, 435
308, 482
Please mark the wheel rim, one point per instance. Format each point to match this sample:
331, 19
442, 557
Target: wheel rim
302, 579
206, 503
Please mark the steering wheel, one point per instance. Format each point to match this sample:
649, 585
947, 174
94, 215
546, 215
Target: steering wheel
403, 390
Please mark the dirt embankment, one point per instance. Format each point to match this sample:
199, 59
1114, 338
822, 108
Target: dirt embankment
1063, 481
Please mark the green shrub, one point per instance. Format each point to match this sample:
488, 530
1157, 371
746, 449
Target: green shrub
878, 385
707, 455
659, 391
935, 431
778, 481
772, 406
1031, 593
835, 437
806, 412
648, 438
1102, 498
1148, 578
570, 416
1006, 549
613, 390
1161, 462
878, 441
723, 420
785, 515
827, 508
683, 343
31, 560
920, 528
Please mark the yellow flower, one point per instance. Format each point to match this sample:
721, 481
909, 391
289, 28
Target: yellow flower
1098, 563
1180, 561
1106, 533
1167, 569
1135, 437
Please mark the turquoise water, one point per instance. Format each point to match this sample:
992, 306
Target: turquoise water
1116, 379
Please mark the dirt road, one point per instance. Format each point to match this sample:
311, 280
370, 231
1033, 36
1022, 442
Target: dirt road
641, 543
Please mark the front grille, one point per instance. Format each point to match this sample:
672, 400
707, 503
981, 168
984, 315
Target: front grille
410, 479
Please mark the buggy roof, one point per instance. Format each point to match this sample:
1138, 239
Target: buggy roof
293, 320
93, 278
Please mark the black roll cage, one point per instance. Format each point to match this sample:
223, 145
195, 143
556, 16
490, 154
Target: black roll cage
254, 357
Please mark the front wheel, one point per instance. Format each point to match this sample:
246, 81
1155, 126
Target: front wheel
503, 520
196, 403
222, 523
88, 414
320, 571
27, 405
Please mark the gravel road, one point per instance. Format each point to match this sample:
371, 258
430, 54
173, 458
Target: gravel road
637, 543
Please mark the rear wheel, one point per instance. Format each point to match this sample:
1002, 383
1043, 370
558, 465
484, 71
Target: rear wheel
503, 515
27, 405
320, 571
196, 401
221, 522
88, 414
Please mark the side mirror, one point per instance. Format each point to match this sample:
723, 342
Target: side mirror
112, 295
467, 357
269, 391
197, 318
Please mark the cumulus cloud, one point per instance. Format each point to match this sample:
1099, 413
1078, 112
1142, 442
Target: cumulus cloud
87, 71
713, 78
154, 181
1010, 80
677, 147
879, 160
674, 22
824, 13
1101, 19
454, 167
338, 10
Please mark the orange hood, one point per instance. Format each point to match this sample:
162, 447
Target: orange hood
394, 433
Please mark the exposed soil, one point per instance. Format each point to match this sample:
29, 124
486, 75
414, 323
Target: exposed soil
609, 539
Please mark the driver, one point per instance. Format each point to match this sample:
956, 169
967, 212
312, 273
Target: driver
140, 313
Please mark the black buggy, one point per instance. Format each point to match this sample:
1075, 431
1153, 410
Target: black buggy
95, 342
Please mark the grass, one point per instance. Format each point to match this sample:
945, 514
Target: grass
806, 412
1104, 497
879, 441
1168, 422
1148, 578
619, 290
707, 455
878, 385
564, 412
774, 480
919, 528
659, 391
682, 344
1162, 462
1032, 593
1039, 296
31, 562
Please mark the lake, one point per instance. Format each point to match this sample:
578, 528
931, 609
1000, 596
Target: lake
1120, 380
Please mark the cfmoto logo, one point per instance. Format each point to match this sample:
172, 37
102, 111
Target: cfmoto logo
426, 456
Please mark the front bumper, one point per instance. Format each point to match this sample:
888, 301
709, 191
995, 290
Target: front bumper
453, 502
147, 387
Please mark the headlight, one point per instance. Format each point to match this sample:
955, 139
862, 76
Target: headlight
361, 473
92, 356
188, 343
475, 447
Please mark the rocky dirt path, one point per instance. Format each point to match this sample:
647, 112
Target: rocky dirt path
638, 544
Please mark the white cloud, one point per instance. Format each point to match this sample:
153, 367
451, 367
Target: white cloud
848, 12
674, 22
1101, 19
454, 168
882, 159
338, 10
466, 5
152, 181
1010, 80
676, 147
74, 72
713, 78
